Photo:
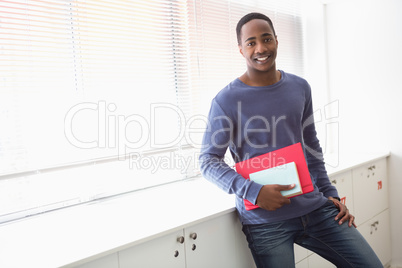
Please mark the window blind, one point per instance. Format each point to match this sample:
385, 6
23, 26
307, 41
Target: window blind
115, 56
100, 97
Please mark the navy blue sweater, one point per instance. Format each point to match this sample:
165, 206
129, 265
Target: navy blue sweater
251, 121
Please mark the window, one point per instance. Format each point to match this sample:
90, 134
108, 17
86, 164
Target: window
101, 98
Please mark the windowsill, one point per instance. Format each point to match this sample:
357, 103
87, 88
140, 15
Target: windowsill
93, 230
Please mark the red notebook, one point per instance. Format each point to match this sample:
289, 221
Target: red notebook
292, 153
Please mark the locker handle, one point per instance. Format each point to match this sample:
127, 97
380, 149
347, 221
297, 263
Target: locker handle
180, 239
374, 226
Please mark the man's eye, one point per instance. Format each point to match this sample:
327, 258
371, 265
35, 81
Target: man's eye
250, 44
268, 40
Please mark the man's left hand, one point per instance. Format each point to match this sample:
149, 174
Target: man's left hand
343, 214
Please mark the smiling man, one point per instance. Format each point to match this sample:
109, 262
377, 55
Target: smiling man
263, 110
259, 48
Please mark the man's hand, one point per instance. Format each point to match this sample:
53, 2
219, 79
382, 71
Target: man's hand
270, 197
343, 214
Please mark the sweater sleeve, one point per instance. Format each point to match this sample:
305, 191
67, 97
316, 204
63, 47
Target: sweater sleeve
314, 154
216, 140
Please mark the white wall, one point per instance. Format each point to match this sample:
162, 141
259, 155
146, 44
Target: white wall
365, 72
316, 70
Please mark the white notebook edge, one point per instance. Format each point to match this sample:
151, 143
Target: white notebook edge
297, 190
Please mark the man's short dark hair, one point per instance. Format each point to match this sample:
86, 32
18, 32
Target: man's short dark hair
249, 17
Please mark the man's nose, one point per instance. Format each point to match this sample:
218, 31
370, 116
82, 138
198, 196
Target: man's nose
260, 48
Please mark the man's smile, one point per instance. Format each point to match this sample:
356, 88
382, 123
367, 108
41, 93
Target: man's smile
262, 59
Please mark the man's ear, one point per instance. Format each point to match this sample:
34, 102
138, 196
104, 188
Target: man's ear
240, 50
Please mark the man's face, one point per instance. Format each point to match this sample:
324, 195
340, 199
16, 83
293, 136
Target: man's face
258, 45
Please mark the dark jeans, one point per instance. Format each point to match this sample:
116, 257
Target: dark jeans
272, 244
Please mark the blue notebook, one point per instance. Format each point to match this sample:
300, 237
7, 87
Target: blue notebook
283, 175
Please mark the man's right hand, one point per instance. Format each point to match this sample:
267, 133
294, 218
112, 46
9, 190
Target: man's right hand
270, 197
